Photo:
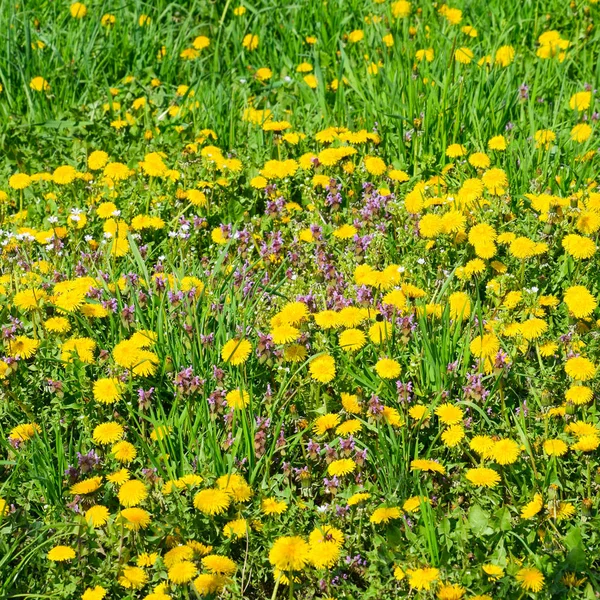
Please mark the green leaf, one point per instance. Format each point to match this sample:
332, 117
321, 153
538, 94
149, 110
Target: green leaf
576, 558
479, 521
503, 519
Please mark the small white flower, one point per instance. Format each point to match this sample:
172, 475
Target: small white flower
421, 261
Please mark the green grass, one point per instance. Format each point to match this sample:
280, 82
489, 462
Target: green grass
418, 110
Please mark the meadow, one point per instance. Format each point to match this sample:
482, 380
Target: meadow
299, 300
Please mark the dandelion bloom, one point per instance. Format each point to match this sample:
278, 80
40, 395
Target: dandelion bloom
555, 447
64, 175
495, 181
250, 41
345, 232
358, 498
356, 36
19, 181
375, 165
343, 466
387, 368
580, 368
311, 81
580, 101
324, 554
351, 340
401, 9
578, 246
61, 554
201, 42
544, 138
124, 451
326, 422
97, 515
579, 394
498, 142
322, 368
530, 579
479, 160
482, 445
197, 198
456, 150
483, 477
284, 334
453, 436
485, 346
176, 555
86, 486
95, 593
430, 226
119, 477
212, 501
136, 518
78, 10
581, 132
460, 306
449, 591
108, 433
494, 572
107, 390
207, 583
39, 84
263, 74
236, 485
422, 579
236, 352
289, 553
182, 572
133, 578
350, 403
238, 399
380, 331
350, 427
505, 452
504, 56
449, 414
24, 431
587, 443
385, 514
420, 464
132, 493
463, 55
272, 506
579, 301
